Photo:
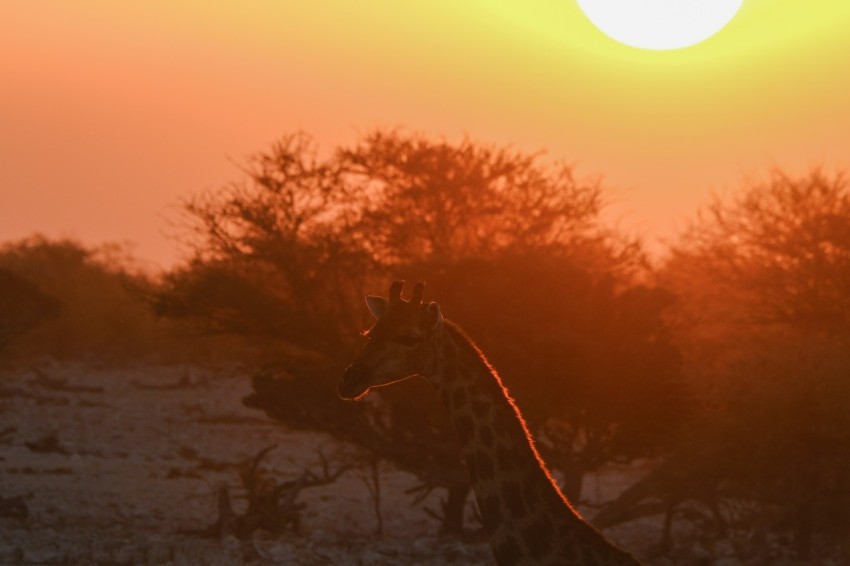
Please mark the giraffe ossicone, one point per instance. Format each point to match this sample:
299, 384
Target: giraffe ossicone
527, 518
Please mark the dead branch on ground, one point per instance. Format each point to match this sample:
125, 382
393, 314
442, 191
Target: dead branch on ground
272, 505
372, 480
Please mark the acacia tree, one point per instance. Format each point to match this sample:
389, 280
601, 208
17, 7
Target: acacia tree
764, 323
514, 250
779, 254
272, 254
289, 253
441, 201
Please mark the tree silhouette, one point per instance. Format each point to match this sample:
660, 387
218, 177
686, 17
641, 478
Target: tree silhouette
513, 248
98, 313
439, 201
763, 318
270, 251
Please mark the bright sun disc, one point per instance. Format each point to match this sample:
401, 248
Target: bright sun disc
660, 24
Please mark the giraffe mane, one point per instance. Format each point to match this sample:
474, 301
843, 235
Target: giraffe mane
463, 338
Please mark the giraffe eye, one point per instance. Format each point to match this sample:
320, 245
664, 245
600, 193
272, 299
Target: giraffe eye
408, 339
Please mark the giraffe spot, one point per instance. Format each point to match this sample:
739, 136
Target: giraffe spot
505, 458
459, 398
490, 512
532, 496
451, 353
445, 396
465, 428
484, 466
539, 536
488, 387
500, 428
450, 373
566, 550
481, 409
486, 436
507, 552
512, 495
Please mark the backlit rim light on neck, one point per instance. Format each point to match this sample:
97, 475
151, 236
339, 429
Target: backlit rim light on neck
660, 24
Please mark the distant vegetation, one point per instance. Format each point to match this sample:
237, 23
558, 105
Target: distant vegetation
763, 320
65, 301
726, 365
23, 307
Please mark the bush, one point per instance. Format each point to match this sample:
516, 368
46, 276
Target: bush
22, 307
99, 313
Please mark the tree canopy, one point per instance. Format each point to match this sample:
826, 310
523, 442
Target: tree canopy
512, 247
763, 281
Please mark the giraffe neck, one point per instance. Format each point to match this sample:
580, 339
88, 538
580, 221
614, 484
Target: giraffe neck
527, 518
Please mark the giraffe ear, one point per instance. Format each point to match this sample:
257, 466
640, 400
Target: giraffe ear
377, 305
435, 316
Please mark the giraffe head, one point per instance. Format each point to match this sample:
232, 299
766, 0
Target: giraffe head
398, 345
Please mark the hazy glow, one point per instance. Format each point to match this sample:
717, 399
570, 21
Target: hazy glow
660, 24
112, 112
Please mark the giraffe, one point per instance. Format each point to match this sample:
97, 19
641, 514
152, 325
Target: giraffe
527, 518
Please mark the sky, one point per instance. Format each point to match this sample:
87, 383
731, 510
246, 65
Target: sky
113, 113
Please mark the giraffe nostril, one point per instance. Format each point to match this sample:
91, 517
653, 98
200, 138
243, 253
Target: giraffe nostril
350, 386
351, 374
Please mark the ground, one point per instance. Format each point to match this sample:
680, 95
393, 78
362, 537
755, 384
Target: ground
121, 466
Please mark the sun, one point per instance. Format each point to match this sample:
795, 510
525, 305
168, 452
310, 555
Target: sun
660, 24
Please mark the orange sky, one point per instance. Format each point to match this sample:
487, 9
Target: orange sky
110, 112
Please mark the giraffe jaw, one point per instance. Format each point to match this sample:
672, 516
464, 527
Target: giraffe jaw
355, 383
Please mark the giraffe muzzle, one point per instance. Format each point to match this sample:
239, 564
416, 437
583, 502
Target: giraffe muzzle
351, 385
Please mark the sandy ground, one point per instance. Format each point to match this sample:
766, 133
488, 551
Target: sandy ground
116, 466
